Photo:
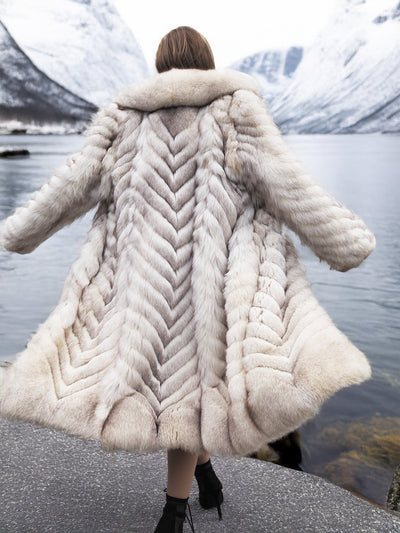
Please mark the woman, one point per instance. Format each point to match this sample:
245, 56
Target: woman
186, 323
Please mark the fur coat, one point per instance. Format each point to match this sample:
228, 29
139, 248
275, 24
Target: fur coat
187, 320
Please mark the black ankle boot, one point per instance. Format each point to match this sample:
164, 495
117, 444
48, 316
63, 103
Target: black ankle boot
174, 514
210, 487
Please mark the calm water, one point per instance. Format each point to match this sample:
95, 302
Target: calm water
361, 171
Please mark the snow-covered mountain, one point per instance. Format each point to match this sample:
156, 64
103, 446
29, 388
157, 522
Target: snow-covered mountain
273, 69
84, 45
349, 79
28, 97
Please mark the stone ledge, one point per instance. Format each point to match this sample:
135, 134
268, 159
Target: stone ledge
57, 483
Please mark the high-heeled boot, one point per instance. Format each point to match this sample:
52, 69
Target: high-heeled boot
210, 487
174, 515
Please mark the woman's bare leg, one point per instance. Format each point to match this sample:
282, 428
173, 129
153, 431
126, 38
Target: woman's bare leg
203, 458
181, 465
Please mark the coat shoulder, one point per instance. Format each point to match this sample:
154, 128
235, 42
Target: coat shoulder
248, 108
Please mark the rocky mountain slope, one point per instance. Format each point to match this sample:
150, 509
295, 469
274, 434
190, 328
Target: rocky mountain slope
273, 69
84, 45
348, 80
30, 99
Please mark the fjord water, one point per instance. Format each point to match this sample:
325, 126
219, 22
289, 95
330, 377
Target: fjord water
355, 438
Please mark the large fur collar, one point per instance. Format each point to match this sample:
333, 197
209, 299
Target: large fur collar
184, 87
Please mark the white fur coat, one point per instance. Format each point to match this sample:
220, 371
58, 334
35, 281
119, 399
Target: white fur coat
187, 320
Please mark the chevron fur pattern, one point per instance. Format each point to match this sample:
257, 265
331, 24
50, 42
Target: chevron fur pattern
283, 346
187, 319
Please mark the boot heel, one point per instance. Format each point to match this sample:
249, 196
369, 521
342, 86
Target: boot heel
210, 487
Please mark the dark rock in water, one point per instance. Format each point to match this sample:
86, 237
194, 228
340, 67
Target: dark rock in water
393, 499
12, 152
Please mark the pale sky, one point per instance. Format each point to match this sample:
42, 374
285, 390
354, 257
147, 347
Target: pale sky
234, 29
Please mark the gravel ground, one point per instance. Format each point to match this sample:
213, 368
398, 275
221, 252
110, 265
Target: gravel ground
53, 482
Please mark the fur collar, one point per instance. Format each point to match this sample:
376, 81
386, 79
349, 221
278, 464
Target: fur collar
184, 87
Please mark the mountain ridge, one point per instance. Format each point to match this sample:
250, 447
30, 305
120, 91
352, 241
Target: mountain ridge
348, 80
37, 98
84, 45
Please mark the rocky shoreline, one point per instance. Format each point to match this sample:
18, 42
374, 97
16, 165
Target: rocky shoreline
16, 127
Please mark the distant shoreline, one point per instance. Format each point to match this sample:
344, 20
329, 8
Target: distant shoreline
19, 128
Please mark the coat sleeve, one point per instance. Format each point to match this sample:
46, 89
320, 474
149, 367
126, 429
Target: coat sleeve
265, 166
71, 191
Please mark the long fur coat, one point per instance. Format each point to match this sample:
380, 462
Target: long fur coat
187, 320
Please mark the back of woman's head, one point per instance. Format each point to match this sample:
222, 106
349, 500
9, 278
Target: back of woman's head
184, 47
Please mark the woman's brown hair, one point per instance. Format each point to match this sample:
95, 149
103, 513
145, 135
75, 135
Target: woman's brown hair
184, 47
